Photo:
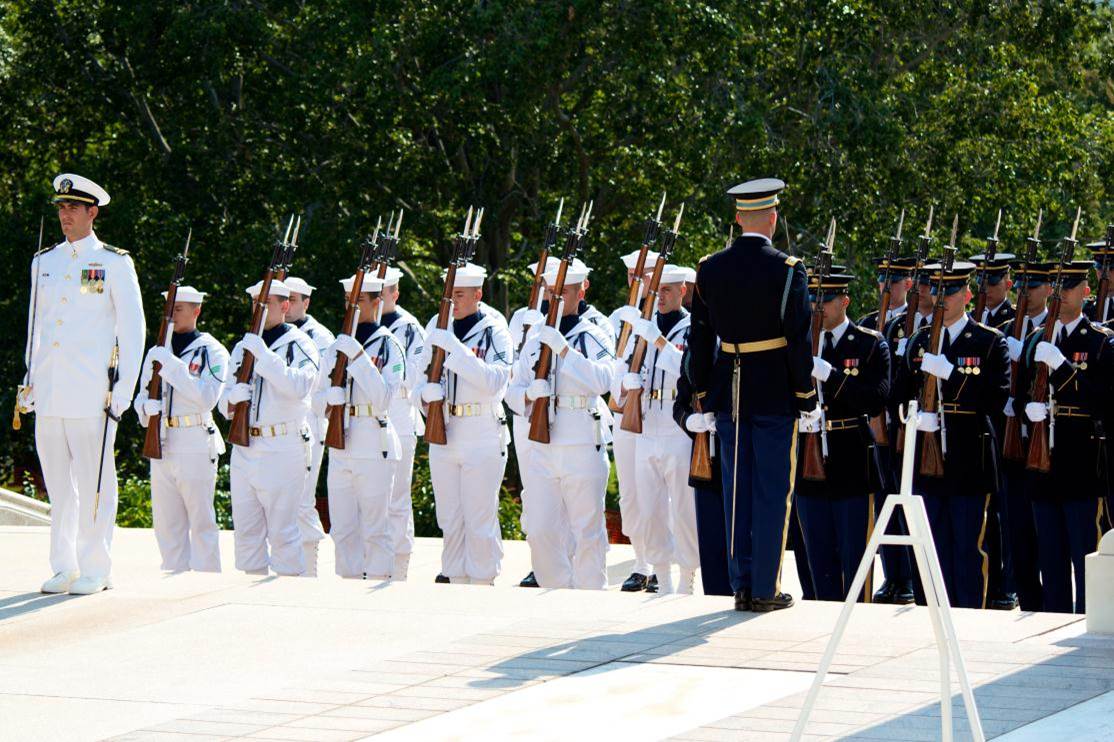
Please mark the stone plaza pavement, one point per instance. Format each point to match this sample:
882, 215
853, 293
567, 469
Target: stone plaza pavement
194, 656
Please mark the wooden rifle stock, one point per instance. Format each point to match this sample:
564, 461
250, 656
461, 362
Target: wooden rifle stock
700, 465
634, 291
539, 414
812, 459
535, 290
152, 439
239, 432
1012, 447
932, 453
435, 412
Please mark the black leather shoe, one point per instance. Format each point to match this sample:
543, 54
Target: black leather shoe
441, 580
529, 581
776, 603
636, 583
894, 593
1003, 602
885, 594
742, 600
652, 584
904, 594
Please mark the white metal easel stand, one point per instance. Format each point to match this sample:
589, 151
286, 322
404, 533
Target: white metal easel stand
936, 596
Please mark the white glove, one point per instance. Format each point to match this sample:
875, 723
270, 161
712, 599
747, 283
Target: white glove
444, 339
552, 337
1036, 411
808, 423
901, 346
700, 422
937, 365
928, 422
347, 345
1049, 355
1009, 408
254, 344
630, 381
1014, 345
335, 396
239, 393
532, 317
647, 328
432, 393
152, 407
162, 355
538, 388
821, 369
26, 398
628, 314
121, 401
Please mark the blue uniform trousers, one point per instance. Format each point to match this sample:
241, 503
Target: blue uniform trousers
758, 469
711, 537
836, 530
1067, 531
958, 524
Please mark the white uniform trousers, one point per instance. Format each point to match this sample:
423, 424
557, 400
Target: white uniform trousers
69, 449
666, 503
569, 484
400, 511
185, 521
309, 520
359, 500
466, 479
623, 448
266, 491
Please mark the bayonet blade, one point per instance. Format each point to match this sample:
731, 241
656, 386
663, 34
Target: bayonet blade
289, 226
955, 229
661, 206
476, 224
398, 223
900, 224
186, 249
560, 208
1075, 226
467, 222
677, 221
997, 224
1037, 229
297, 229
928, 226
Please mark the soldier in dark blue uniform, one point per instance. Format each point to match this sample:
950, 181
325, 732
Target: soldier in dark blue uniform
710, 531
1001, 593
1068, 500
837, 514
900, 272
1016, 510
1103, 252
751, 364
972, 368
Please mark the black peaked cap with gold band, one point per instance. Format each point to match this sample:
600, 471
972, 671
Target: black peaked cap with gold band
955, 280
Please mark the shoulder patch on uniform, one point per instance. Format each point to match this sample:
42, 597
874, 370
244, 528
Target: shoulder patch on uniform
46, 250
868, 331
792, 260
113, 248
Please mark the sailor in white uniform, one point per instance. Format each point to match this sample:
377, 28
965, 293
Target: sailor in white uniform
361, 475
568, 475
467, 471
623, 449
405, 417
662, 451
309, 521
193, 370
85, 317
268, 475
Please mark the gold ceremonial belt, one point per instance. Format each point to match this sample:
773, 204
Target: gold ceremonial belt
663, 394
843, 423
469, 409
185, 421
756, 347
1064, 410
953, 409
269, 431
361, 410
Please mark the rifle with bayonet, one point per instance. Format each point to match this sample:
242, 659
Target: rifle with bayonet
1012, 447
369, 249
291, 245
631, 401
574, 241
152, 440
464, 246
1040, 441
893, 250
239, 431
816, 443
932, 443
988, 258
548, 243
23, 390
913, 297
1101, 313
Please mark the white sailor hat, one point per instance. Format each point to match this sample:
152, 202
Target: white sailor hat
188, 294
630, 260
674, 274
690, 273
71, 187
298, 285
576, 273
394, 275
551, 264
278, 288
756, 195
469, 276
372, 284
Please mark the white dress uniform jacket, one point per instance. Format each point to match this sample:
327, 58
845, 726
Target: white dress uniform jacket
309, 521
407, 419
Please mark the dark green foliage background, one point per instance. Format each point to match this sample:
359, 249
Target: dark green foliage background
226, 116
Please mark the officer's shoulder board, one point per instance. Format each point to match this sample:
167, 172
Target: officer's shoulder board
867, 331
703, 258
792, 260
988, 328
114, 249
46, 249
